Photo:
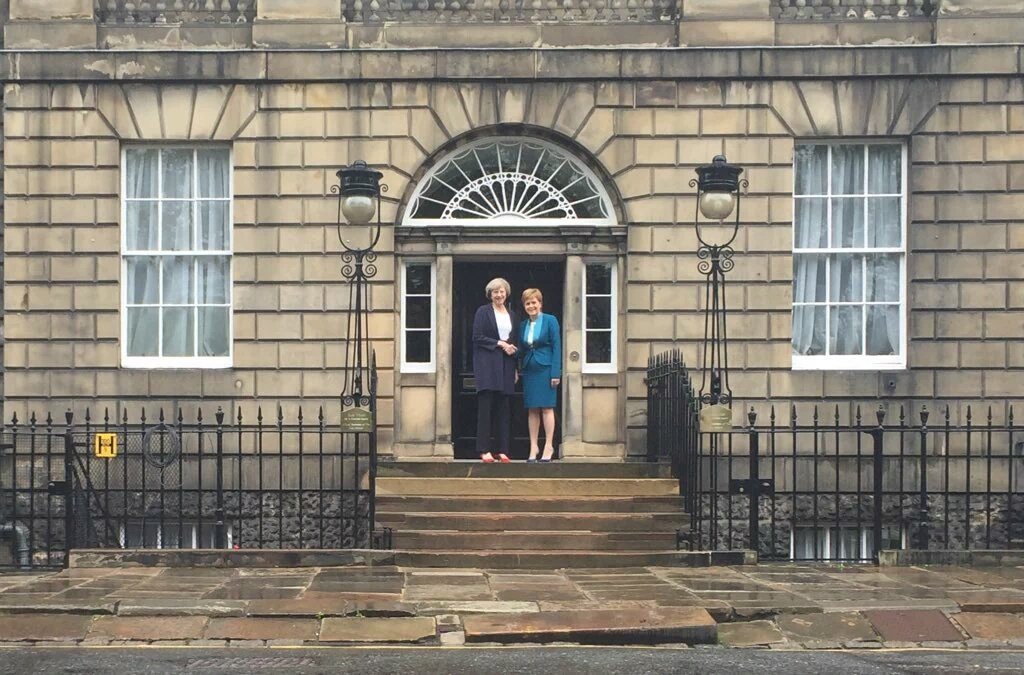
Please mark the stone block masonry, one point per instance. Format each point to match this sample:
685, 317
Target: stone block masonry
288, 133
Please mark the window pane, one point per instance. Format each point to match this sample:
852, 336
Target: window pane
599, 347
417, 279
143, 281
845, 329
141, 173
884, 222
811, 169
809, 330
141, 226
179, 331
417, 312
214, 280
883, 278
177, 176
599, 279
810, 220
883, 329
178, 281
417, 346
847, 223
884, 171
599, 312
809, 278
847, 169
213, 331
213, 172
213, 226
177, 226
143, 331
846, 278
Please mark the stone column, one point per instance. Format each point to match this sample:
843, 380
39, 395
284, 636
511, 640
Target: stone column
50, 24
443, 340
299, 23
980, 21
726, 23
572, 350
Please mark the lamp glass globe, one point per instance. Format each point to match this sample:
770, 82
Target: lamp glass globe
358, 209
717, 205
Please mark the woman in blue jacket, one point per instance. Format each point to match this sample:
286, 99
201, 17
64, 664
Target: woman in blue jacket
540, 365
495, 333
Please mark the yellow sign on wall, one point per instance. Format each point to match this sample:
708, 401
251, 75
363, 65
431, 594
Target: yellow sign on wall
105, 446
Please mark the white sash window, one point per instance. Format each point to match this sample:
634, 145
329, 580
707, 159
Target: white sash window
176, 257
849, 256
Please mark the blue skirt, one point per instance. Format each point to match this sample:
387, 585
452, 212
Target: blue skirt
537, 389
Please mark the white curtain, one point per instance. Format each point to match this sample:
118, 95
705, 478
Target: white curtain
141, 235
810, 221
178, 285
855, 328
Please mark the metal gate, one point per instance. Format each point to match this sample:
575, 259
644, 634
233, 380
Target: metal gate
839, 483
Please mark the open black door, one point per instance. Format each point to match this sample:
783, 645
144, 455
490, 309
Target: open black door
470, 279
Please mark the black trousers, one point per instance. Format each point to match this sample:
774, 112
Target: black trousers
493, 421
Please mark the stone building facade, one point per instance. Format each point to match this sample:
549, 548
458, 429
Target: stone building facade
925, 98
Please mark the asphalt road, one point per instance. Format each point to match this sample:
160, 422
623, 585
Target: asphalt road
546, 660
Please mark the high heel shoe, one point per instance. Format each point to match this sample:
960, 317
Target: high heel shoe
486, 458
503, 458
545, 460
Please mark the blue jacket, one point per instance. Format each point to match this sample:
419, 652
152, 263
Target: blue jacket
547, 344
492, 369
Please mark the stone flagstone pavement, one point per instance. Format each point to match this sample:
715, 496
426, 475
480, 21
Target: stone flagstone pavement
781, 606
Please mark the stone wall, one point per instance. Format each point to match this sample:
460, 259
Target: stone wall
60, 24
397, 110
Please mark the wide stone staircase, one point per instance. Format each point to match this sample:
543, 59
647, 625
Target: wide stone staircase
533, 516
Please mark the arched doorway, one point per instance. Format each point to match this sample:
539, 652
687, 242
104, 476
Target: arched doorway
529, 210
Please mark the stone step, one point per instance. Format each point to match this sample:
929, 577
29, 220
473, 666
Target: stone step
552, 560
430, 540
529, 487
590, 505
475, 469
517, 521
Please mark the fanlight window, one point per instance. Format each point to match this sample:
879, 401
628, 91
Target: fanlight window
510, 181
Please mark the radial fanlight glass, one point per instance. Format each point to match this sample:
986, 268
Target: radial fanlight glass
511, 181
718, 186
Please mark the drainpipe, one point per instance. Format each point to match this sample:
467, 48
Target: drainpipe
19, 533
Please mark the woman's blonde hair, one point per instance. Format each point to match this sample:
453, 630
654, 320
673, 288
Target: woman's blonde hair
494, 284
532, 293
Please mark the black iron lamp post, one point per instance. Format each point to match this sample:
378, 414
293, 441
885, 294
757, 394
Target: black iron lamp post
358, 189
718, 197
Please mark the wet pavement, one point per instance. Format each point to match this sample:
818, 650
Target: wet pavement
768, 605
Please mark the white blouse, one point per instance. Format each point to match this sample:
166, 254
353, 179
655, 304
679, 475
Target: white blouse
504, 321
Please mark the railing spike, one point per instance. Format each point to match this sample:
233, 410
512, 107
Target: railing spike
970, 416
69, 416
32, 419
880, 414
219, 415
106, 415
199, 415
752, 416
924, 415
160, 416
88, 415
239, 416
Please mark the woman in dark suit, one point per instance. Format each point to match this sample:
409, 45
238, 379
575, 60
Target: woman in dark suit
495, 336
540, 362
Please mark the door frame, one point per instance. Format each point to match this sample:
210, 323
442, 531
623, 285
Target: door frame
428, 433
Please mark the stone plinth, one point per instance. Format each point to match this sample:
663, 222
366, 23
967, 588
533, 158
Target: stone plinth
980, 21
725, 23
50, 24
726, 9
51, 10
299, 23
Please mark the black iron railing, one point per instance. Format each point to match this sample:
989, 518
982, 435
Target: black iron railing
820, 484
285, 479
